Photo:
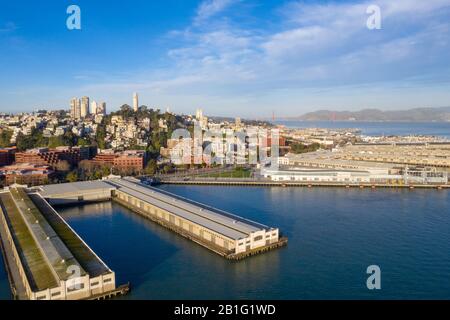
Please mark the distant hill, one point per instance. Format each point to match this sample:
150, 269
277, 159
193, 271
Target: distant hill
413, 115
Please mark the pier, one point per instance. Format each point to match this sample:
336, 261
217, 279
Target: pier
306, 184
224, 233
45, 259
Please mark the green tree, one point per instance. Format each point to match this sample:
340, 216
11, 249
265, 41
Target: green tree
34, 140
72, 176
5, 138
151, 167
100, 136
299, 148
54, 142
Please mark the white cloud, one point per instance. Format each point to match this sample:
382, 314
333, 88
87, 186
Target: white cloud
314, 48
210, 8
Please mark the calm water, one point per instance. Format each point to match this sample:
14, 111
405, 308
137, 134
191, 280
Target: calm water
440, 129
334, 234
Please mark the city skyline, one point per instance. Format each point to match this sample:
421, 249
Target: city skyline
242, 58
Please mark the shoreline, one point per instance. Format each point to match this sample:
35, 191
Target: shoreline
305, 184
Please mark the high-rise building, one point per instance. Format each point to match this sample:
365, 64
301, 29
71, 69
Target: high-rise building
135, 102
94, 107
199, 114
84, 107
75, 108
101, 108
73, 105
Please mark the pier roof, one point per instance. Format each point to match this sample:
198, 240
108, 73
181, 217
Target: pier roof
73, 188
232, 227
36, 266
89, 261
54, 250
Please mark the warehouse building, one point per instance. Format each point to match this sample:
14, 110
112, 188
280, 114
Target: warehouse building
217, 230
52, 261
76, 192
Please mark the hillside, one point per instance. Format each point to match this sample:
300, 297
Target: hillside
419, 114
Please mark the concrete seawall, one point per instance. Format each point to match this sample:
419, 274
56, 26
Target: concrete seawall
301, 184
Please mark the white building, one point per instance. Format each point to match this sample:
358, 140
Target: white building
84, 107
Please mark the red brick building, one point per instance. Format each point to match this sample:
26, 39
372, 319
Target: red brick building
27, 174
52, 157
132, 160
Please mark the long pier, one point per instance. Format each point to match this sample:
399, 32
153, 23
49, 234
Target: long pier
266, 183
45, 259
226, 234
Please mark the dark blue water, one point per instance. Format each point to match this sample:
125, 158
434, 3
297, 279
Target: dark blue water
439, 129
5, 293
334, 235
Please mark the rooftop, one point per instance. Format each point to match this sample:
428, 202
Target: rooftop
72, 188
36, 267
230, 226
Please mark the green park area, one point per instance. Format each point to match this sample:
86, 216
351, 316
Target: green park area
235, 173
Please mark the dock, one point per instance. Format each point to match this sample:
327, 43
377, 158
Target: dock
45, 259
268, 183
221, 232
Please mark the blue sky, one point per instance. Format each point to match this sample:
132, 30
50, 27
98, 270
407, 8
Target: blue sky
230, 57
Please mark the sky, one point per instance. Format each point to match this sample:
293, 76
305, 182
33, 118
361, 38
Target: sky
247, 58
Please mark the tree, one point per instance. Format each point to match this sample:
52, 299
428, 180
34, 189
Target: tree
100, 136
299, 148
72, 176
55, 141
63, 166
5, 138
151, 167
82, 142
34, 140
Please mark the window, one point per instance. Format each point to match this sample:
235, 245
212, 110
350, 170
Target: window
55, 294
107, 280
258, 238
77, 287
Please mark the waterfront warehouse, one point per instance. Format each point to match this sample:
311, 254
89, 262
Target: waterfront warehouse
46, 259
222, 232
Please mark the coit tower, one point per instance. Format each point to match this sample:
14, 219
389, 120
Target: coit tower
135, 102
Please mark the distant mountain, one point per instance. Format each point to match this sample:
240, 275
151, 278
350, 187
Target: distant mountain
413, 115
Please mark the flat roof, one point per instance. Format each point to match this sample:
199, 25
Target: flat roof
88, 260
245, 225
54, 250
54, 190
39, 273
235, 228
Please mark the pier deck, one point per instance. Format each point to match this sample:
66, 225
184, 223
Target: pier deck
268, 183
221, 232
45, 259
